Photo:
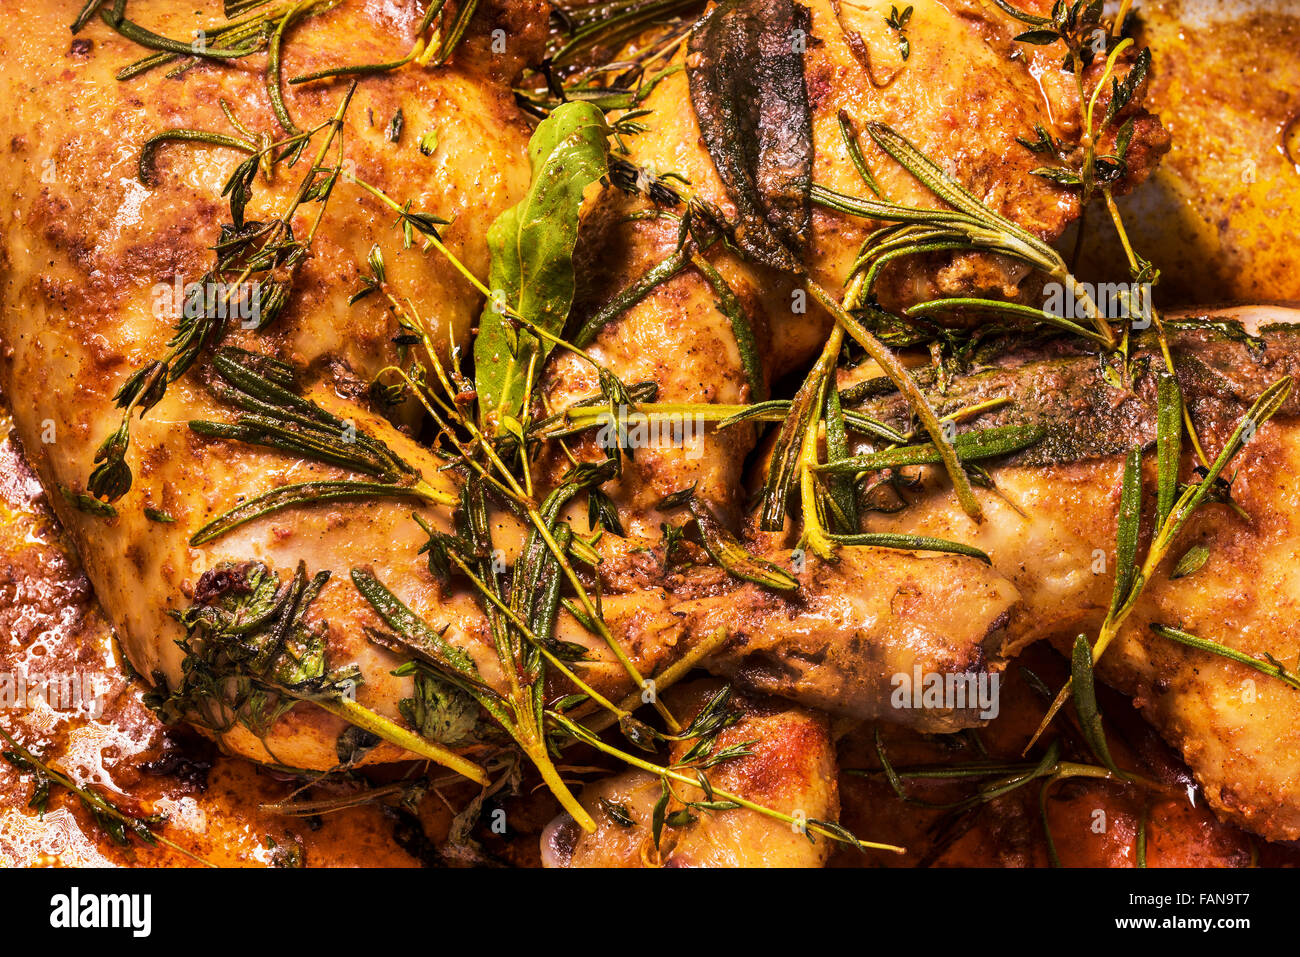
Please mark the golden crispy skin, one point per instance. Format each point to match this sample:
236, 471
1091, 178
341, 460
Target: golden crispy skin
791, 770
79, 280
1225, 84
960, 96
1051, 531
86, 243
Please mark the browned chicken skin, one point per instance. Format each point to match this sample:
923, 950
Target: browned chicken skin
791, 765
88, 244
77, 321
1051, 530
85, 240
958, 97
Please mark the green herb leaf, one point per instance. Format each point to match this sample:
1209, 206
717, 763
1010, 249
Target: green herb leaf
439, 710
532, 258
659, 814
1085, 702
1169, 442
1129, 525
293, 496
911, 543
723, 547
1271, 667
970, 447
1192, 561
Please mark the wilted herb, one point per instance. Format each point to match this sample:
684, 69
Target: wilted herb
112, 820
745, 72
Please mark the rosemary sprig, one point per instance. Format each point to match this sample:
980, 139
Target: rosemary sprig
500, 477
516, 711
1269, 666
970, 447
1004, 778
276, 417
1131, 578
971, 225
233, 40
116, 823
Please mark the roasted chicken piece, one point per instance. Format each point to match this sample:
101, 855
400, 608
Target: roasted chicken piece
837, 642
1051, 530
965, 95
94, 231
1227, 87
92, 246
789, 767
79, 323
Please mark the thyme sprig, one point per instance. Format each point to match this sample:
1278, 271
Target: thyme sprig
691, 772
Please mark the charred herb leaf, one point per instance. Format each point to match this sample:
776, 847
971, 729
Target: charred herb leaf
439, 710
746, 78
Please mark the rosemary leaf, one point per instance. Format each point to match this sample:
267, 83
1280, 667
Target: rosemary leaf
970, 447
303, 493
1085, 702
1271, 666
1127, 531
911, 543
724, 549
1169, 438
